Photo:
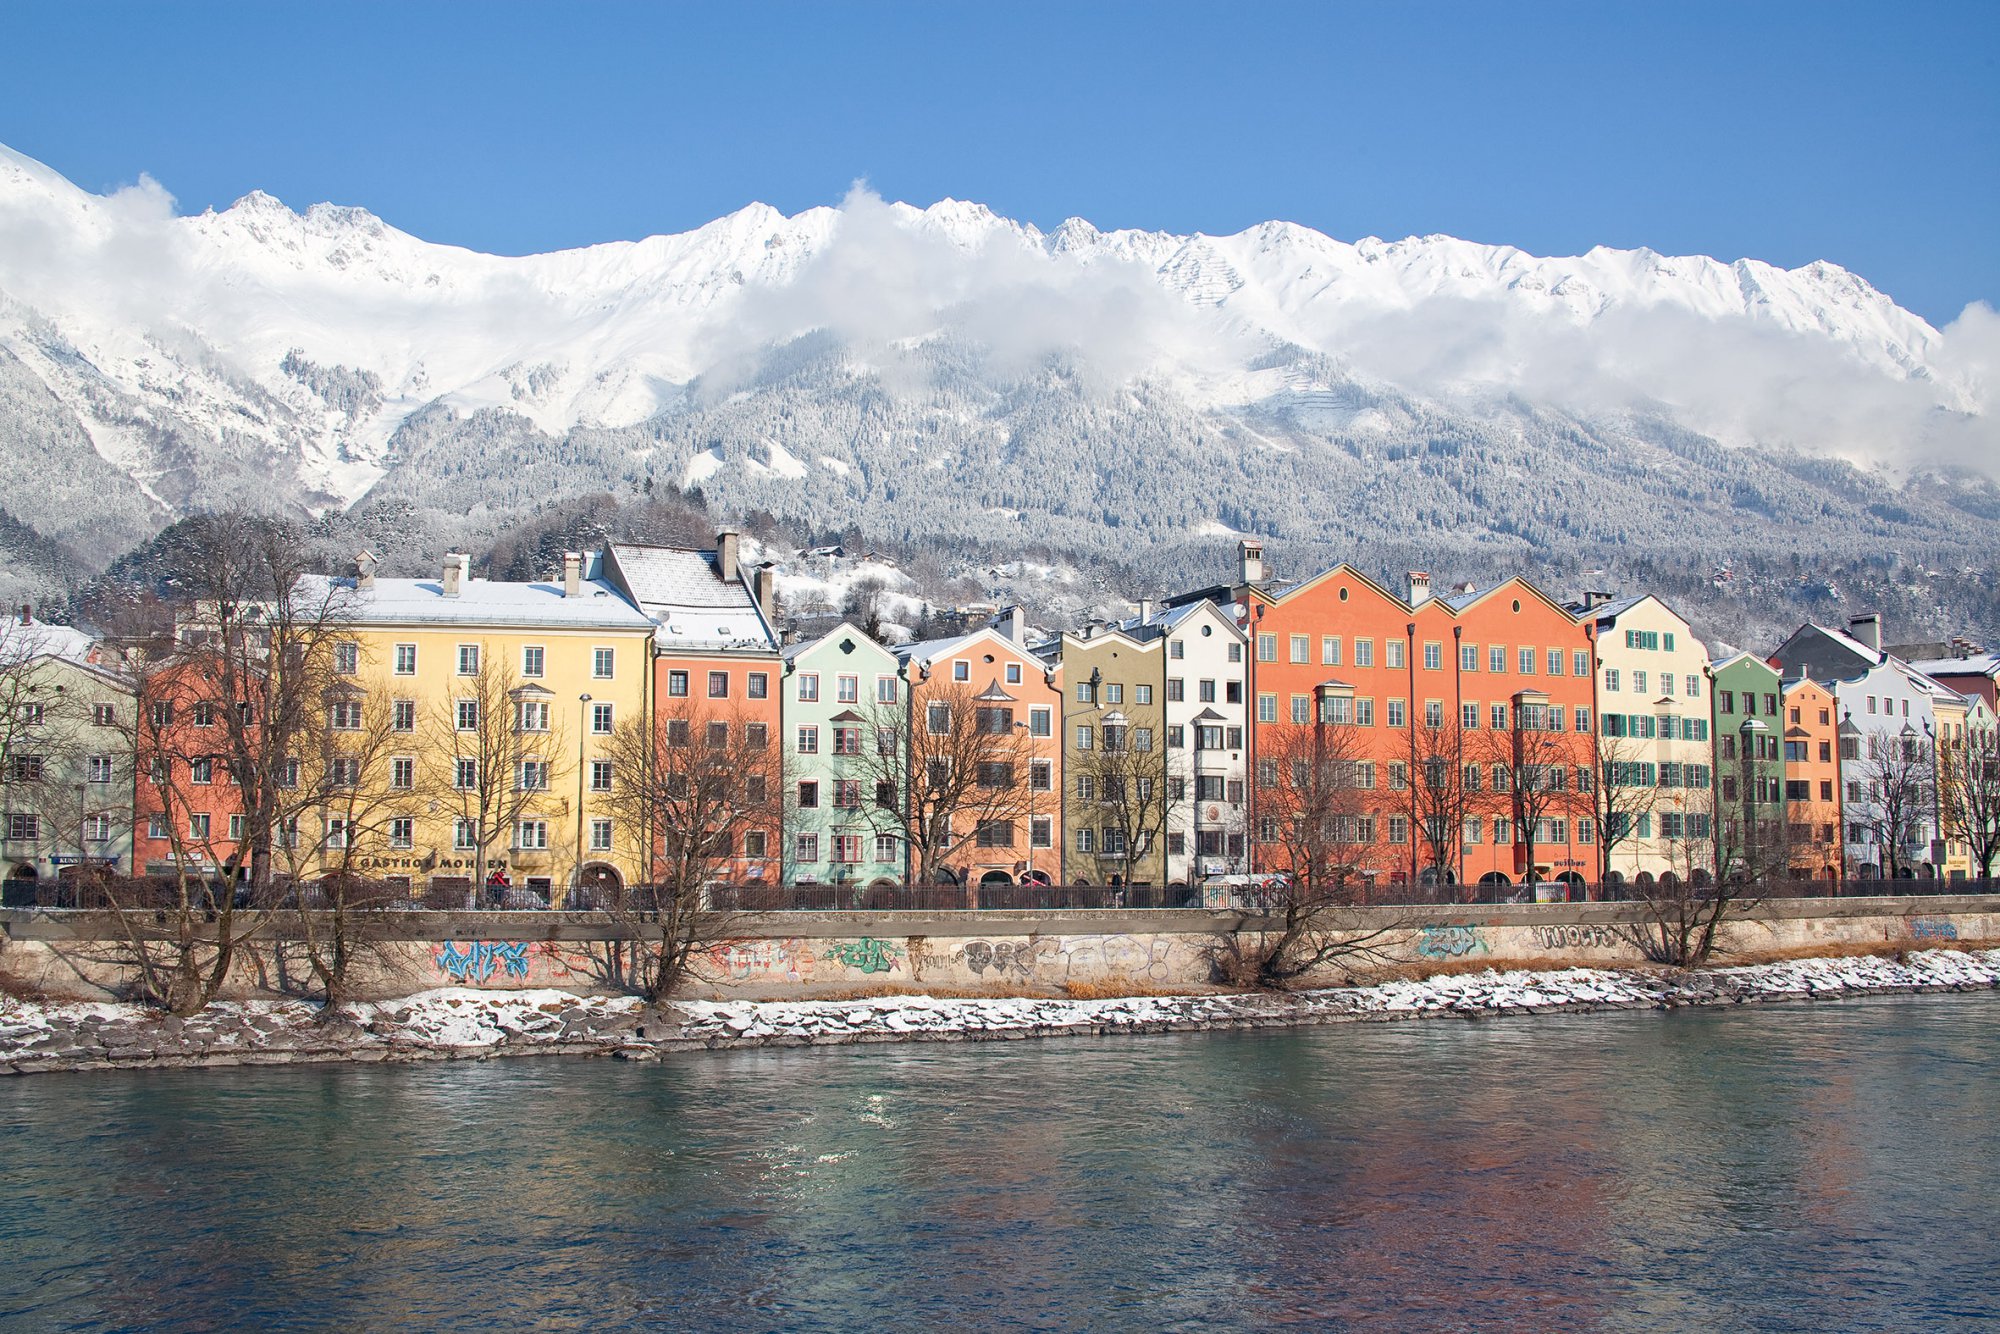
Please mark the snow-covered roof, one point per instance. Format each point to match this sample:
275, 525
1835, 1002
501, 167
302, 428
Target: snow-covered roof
682, 591
1979, 664
1608, 611
21, 640
480, 602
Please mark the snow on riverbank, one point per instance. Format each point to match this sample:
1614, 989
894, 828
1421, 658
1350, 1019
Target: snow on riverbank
461, 1022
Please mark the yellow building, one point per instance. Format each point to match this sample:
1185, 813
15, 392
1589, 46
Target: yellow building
470, 734
1950, 709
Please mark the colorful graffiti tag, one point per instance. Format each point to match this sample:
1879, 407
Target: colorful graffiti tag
1450, 942
867, 955
1576, 936
1933, 928
476, 962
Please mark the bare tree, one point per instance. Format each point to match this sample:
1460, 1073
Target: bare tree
238, 696
1899, 780
1436, 799
1127, 801
970, 765
1619, 795
1314, 813
699, 791
501, 740
1533, 766
1969, 794
1680, 913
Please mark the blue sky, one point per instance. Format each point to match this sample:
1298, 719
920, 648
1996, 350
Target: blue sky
1866, 134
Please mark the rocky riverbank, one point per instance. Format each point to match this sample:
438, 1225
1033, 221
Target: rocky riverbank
463, 1023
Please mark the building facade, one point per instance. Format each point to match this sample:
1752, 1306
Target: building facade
845, 712
1812, 781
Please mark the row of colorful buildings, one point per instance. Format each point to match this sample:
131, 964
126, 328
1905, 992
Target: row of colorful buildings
479, 732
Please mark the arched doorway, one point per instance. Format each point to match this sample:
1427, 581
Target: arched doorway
992, 878
18, 890
597, 886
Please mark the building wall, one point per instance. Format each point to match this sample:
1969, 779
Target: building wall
1205, 645
50, 790
1634, 663
814, 834
172, 808
1131, 688
1881, 702
743, 691
1812, 780
1749, 727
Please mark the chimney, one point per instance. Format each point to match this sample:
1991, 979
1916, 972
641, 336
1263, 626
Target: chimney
1250, 562
727, 546
364, 570
1146, 609
572, 574
27, 613
1867, 629
1595, 597
1420, 588
1011, 624
764, 587
457, 572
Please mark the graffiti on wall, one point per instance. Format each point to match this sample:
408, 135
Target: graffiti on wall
787, 959
1573, 936
867, 955
1933, 928
1156, 959
476, 962
1454, 941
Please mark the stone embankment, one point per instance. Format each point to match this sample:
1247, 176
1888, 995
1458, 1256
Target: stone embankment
464, 1023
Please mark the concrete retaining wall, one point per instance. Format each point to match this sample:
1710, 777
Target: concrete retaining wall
75, 954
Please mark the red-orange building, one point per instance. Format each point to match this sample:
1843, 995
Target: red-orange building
1448, 697
188, 808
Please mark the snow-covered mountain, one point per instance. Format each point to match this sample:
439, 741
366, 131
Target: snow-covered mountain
945, 368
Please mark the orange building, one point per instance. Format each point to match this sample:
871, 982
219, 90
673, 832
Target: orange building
188, 809
716, 669
1450, 699
1812, 780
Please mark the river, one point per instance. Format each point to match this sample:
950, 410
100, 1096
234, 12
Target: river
1789, 1167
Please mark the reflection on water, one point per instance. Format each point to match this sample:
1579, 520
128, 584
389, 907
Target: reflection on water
1786, 1168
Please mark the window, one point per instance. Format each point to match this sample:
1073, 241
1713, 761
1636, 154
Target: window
1176, 649
403, 715
1235, 652
1041, 776
1399, 829
1176, 690
1083, 695
236, 828
1396, 715
402, 773
1205, 692
1433, 713
1086, 840
808, 795
1555, 662
1041, 832
1329, 651
1525, 660
1013, 673
405, 660
343, 773
531, 835
336, 832
27, 826
99, 769
1114, 692
1580, 663
718, 685
1582, 719
885, 690
533, 776
531, 715
601, 719
1468, 657
346, 657
1392, 653
533, 660
1142, 694
847, 689
104, 715
1039, 722
847, 741
468, 659
961, 670
1267, 707
888, 848
197, 825
1611, 678
1301, 647
28, 768
718, 736
1364, 713
805, 848
1468, 716
994, 834
1473, 831
1433, 657
808, 741
600, 775
846, 849
465, 774
346, 715
200, 771
156, 827
1267, 648
1399, 776
1639, 683
1085, 738
1694, 686
677, 685
937, 718
1301, 709
467, 715
847, 794
162, 713
756, 736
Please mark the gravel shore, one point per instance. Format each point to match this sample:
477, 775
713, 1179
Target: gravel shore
463, 1023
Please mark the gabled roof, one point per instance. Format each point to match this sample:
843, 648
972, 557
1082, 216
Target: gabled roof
21, 640
927, 651
480, 602
681, 589
1979, 664
847, 629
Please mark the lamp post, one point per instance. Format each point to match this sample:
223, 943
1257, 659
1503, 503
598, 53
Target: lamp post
1752, 777
582, 730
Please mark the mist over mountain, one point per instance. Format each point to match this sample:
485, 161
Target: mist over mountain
946, 375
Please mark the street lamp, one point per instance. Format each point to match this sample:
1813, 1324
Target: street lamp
582, 730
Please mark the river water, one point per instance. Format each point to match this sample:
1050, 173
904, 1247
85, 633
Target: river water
1792, 1167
